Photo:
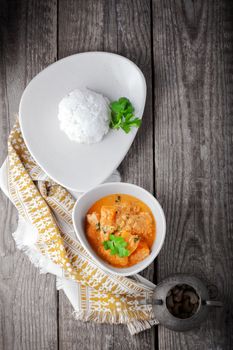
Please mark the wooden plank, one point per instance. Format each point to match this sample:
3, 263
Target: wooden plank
122, 27
28, 300
193, 154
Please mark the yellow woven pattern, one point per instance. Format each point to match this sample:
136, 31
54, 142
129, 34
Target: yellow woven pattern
48, 207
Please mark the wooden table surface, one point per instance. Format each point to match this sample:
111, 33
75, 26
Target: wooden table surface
183, 154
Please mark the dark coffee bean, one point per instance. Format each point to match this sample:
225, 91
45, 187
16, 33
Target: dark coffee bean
192, 295
170, 302
187, 306
178, 296
175, 290
195, 307
176, 309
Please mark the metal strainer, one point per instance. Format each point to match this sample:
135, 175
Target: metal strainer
196, 290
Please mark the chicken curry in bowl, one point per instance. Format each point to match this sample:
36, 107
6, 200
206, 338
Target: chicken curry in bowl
121, 229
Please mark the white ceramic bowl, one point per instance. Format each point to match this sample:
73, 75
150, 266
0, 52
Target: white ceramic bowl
89, 198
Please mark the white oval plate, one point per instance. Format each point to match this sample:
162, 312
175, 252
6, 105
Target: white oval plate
77, 166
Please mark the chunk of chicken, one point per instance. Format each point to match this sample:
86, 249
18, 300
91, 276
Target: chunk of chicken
113, 259
139, 254
93, 219
142, 225
107, 221
132, 240
127, 208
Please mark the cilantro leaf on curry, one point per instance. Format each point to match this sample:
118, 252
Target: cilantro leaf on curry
122, 115
117, 246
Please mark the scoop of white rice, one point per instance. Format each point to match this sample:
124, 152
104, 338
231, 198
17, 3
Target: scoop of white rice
84, 116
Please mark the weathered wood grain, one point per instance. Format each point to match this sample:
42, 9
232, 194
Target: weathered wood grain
193, 154
28, 300
192, 107
122, 27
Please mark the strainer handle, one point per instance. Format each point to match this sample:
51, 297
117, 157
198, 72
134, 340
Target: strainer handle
157, 302
152, 301
215, 303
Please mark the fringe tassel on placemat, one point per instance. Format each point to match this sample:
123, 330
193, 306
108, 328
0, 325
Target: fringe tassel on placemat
104, 317
35, 258
139, 326
107, 317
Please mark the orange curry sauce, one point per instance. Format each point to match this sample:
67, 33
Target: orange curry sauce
121, 215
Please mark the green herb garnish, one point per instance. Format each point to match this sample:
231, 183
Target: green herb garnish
122, 115
117, 246
136, 239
